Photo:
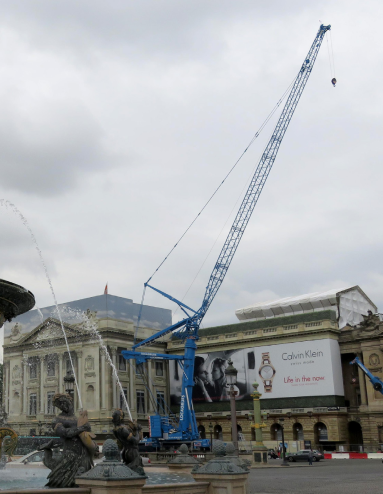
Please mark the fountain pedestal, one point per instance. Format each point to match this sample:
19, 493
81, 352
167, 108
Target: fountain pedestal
111, 475
224, 476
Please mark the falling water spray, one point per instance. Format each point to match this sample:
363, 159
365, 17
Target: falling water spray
15, 210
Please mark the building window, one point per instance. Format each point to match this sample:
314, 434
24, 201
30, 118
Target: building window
50, 407
160, 402
159, 368
33, 370
140, 402
51, 367
140, 369
32, 404
176, 373
121, 363
122, 401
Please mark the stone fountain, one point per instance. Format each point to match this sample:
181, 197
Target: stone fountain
14, 300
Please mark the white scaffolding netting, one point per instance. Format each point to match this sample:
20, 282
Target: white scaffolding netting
350, 304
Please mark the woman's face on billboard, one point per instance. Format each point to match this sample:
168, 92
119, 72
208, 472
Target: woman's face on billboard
216, 372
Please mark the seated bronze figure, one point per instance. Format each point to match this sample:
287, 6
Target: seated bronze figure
128, 435
77, 443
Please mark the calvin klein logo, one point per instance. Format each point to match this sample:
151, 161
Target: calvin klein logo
297, 356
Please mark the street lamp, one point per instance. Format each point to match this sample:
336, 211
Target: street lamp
259, 449
69, 384
211, 427
284, 462
231, 379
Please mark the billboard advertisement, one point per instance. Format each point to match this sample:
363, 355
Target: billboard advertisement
305, 368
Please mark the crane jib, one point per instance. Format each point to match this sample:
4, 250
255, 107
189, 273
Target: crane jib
261, 173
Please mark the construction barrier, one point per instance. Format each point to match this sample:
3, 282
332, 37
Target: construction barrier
353, 456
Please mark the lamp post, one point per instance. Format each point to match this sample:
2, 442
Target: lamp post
69, 384
231, 379
211, 427
284, 462
259, 450
310, 414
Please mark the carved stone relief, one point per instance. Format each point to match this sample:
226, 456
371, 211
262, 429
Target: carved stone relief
374, 360
89, 363
16, 372
16, 332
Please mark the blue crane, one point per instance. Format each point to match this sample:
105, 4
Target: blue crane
375, 381
187, 328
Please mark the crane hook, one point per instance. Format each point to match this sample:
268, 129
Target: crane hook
333, 81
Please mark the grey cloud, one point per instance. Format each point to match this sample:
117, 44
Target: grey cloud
47, 150
184, 85
168, 28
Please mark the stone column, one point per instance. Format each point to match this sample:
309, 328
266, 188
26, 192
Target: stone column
102, 380
42, 385
151, 390
79, 377
132, 386
25, 378
362, 382
60, 383
114, 381
6, 385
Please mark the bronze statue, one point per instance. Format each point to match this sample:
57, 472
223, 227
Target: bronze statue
78, 445
128, 436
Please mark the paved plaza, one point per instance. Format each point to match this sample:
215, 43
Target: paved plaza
330, 477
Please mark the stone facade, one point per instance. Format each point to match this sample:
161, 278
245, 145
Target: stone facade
35, 365
350, 422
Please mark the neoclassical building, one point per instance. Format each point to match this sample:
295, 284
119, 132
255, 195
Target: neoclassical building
36, 362
298, 350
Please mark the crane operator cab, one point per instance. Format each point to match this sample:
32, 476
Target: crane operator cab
333, 81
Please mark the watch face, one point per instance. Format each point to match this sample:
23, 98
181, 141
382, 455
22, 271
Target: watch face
267, 372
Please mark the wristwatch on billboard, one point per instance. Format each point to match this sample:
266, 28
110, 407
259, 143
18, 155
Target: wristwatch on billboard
267, 372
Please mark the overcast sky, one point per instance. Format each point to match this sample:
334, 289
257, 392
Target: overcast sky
119, 119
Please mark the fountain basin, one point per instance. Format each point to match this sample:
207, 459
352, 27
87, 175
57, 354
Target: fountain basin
14, 300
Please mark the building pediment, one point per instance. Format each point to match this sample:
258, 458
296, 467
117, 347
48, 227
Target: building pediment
50, 331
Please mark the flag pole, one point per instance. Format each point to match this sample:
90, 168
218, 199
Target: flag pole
106, 304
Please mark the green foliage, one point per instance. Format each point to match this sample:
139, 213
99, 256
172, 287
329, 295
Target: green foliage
1, 384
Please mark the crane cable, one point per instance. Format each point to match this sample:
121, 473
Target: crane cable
256, 135
222, 229
227, 175
330, 52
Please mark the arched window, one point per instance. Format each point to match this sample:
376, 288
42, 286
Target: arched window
90, 397
355, 435
240, 435
202, 432
298, 432
320, 432
276, 432
218, 432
